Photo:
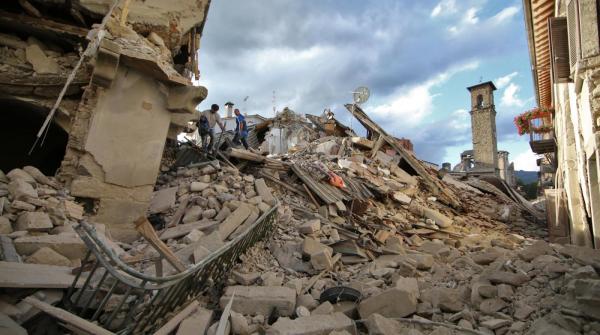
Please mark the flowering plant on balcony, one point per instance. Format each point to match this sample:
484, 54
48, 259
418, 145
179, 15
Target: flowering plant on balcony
524, 124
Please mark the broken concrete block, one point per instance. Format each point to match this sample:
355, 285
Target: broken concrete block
163, 200
223, 213
193, 236
394, 302
197, 323
209, 213
264, 191
48, 256
505, 277
408, 284
310, 227
536, 249
312, 325
311, 246
68, 245
22, 205
324, 308
321, 260
234, 220
447, 299
377, 324
41, 63
5, 226
492, 305
34, 221
401, 198
200, 252
192, 214
260, 300
245, 279
15, 174
19, 189
198, 186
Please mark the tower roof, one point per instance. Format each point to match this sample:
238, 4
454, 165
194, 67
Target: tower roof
487, 83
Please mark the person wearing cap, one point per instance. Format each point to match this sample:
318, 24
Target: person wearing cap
241, 130
208, 119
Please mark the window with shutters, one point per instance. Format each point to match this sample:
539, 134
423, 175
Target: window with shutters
559, 49
573, 32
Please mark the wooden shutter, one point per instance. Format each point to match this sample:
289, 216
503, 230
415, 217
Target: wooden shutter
573, 32
559, 49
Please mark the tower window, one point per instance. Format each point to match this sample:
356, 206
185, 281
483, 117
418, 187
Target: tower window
479, 101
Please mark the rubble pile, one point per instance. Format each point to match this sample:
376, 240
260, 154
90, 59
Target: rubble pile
37, 220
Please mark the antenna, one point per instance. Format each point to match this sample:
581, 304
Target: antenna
480, 79
360, 95
274, 109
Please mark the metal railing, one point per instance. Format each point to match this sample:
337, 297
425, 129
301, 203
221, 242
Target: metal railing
121, 299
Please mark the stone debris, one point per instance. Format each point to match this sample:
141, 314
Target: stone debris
362, 244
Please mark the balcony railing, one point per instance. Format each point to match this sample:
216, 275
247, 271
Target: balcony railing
541, 134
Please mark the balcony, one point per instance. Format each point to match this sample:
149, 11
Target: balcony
541, 135
538, 123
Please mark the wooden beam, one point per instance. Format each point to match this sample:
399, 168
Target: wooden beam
143, 226
67, 317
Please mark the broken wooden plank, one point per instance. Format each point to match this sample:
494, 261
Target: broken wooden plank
67, 317
24, 275
310, 195
144, 227
179, 213
42, 27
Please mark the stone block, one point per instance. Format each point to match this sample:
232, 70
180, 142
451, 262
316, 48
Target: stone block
379, 325
34, 221
192, 214
19, 189
5, 226
48, 256
68, 245
39, 176
15, 174
163, 200
197, 186
320, 324
193, 236
264, 191
260, 300
234, 220
324, 308
197, 323
394, 302
321, 260
41, 63
311, 246
408, 284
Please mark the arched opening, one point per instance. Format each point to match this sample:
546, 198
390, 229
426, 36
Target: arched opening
479, 100
19, 124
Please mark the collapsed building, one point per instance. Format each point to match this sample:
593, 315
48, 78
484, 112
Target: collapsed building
315, 231
122, 68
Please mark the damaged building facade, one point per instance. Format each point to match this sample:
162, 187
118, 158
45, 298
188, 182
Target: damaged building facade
565, 57
126, 69
484, 159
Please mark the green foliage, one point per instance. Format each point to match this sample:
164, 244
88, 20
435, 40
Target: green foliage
530, 189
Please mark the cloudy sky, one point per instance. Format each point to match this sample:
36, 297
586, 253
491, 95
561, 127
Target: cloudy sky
417, 58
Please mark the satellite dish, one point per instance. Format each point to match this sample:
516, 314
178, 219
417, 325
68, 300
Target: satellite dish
360, 95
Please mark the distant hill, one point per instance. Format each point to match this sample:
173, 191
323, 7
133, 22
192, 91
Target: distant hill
526, 176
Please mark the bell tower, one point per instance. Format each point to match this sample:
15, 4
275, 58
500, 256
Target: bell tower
483, 127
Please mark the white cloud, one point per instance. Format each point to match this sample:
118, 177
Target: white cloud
526, 161
471, 16
411, 104
510, 98
505, 14
444, 7
505, 80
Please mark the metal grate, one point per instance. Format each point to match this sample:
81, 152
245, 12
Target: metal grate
573, 32
125, 301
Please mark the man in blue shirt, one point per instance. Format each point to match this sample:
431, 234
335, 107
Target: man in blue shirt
241, 130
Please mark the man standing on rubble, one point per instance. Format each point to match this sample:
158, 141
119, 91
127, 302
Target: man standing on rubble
212, 117
241, 131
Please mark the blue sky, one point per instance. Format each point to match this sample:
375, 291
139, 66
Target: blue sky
417, 57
